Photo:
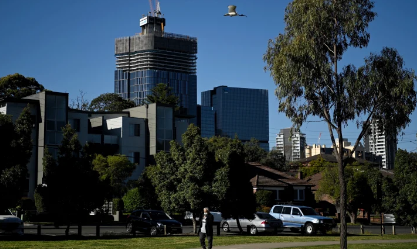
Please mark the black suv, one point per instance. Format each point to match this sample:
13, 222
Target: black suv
152, 222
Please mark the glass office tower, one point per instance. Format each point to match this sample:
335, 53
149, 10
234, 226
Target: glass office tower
240, 111
155, 56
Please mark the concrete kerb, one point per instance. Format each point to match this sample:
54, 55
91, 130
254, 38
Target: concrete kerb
312, 243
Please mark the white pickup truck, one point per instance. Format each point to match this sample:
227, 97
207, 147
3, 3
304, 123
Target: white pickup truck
216, 215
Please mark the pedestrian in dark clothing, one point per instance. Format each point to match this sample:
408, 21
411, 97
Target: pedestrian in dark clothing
206, 228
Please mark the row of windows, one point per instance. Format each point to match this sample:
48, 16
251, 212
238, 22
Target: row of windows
298, 194
159, 74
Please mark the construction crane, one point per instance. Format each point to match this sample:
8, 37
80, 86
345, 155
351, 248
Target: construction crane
318, 142
150, 4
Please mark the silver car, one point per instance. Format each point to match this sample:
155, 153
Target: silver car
263, 222
10, 224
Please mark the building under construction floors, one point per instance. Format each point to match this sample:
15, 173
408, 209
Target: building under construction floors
155, 56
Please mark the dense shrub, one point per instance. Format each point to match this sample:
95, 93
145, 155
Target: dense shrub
41, 199
264, 198
118, 205
132, 200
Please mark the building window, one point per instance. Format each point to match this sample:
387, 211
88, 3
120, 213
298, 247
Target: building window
136, 157
134, 130
50, 125
299, 194
280, 194
77, 125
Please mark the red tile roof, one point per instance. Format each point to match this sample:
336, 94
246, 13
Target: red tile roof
265, 176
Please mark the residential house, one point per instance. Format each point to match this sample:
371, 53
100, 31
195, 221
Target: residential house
287, 189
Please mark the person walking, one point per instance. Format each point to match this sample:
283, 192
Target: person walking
206, 228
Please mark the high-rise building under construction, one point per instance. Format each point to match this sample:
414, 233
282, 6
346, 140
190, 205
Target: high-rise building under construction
155, 56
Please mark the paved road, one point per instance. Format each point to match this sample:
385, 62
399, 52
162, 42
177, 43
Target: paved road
121, 230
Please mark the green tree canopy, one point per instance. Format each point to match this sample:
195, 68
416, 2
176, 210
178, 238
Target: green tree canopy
231, 184
132, 200
303, 62
359, 189
275, 160
115, 170
264, 198
314, 167
183, 177
15, 151
18, 86
162, 94
401, 195
110, 102
72, 187
254, 153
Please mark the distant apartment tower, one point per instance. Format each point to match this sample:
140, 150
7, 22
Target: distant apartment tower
293, 147
240, 111
155, 56
381, 143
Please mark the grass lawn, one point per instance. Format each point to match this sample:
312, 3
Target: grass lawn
364, 246
175, 242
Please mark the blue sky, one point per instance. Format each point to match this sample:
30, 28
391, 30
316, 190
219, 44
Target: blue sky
68, 45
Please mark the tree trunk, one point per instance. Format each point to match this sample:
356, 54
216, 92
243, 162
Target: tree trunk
194, 223
343, 227
352, 216
239, 226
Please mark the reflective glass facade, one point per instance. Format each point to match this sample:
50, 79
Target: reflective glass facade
164, 127
138, 84
240, 111
207, 122
56, 119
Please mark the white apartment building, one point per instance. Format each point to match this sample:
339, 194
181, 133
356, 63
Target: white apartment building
291, 146
381, 144
138, 133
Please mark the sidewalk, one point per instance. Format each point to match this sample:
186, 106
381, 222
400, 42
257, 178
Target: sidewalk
312, 243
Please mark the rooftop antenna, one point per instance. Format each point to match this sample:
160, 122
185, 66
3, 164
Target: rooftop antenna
158, 9
150, 4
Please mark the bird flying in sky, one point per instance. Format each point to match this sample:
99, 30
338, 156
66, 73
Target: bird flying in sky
232, 11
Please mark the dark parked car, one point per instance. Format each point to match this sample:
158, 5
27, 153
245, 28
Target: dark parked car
152, 222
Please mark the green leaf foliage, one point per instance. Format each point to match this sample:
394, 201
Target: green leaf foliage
162, 94
15, 151
231, 185
114, 170
72, 187
254, 153
314, 167
360, 188
304, 63
203, 173
18, 86
264, 198
275, 160
147, 193
401, 193
183, 177
132, 200
110, 102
